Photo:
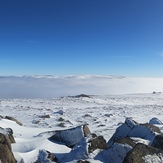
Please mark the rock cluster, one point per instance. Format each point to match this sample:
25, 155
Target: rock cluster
150, 141
132, 142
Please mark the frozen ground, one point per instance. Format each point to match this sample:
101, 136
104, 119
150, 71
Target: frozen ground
103, 114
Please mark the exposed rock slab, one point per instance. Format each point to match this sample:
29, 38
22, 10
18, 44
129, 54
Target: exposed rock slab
71, 136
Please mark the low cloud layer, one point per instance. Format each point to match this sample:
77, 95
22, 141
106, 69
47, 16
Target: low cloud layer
56, 86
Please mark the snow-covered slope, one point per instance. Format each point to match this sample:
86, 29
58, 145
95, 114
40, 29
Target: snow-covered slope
55, 86
103, 114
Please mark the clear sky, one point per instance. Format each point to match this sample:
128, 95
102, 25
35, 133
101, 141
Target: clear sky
77, 37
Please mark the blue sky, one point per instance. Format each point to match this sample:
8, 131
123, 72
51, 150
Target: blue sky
77, 37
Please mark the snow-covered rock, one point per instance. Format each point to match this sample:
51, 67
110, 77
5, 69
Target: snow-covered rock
132, 129
115, 154
71, 136
155, 121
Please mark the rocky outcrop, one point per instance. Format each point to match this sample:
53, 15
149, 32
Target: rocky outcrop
132, 133
140, 153
133, 129
124, 146
6, 138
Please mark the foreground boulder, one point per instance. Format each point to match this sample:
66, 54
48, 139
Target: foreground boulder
6, 138
71, 137
133, 129
126, 144
142, 153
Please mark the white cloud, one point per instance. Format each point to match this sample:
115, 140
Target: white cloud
55, 86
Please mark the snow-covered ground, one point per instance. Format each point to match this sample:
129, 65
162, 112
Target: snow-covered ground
103, 114
45, 104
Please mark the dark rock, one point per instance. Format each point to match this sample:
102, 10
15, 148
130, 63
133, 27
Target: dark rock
93, 135
126, 140
97, 143
82, 95
13, 119
101, 125
158, 142
87, 115
44, 116
51, 157
61, 125
138, 152
86, 130
60, 119
6, 138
